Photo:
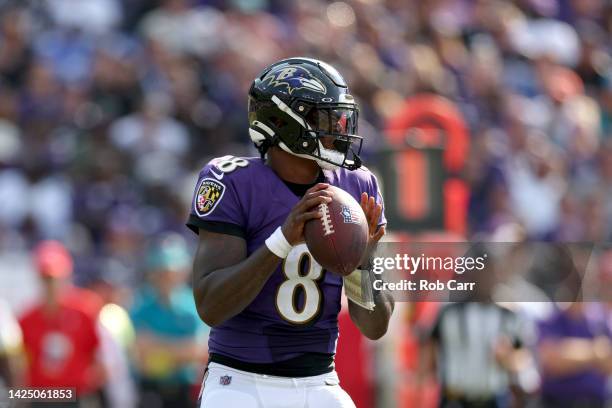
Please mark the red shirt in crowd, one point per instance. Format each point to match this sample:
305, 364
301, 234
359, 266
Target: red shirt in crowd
61, 346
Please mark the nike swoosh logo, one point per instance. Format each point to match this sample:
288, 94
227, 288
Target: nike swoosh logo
218, 176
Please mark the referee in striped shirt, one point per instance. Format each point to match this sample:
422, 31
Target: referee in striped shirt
477, 348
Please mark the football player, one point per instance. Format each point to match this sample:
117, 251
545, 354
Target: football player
273, 310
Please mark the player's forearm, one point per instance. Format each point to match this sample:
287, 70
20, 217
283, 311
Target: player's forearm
518, 360
569, 356
223, 293
373, 324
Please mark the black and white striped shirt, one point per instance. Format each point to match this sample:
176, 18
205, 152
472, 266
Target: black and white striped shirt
466, 335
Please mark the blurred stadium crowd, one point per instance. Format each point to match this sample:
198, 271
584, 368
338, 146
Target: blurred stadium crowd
109, 108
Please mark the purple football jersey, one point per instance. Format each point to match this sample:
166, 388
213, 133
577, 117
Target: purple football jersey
296, 312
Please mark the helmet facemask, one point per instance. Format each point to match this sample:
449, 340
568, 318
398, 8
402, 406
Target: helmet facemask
324, 132
335, 128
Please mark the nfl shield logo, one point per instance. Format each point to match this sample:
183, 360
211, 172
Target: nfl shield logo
349, 216
225, 380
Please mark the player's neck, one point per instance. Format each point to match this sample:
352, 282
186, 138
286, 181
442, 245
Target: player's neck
292, 168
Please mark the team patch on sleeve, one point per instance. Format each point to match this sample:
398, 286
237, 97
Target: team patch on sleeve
210, 192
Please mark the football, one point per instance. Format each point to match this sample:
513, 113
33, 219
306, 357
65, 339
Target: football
338, 239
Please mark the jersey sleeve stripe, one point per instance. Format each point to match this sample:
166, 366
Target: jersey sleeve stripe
194, 223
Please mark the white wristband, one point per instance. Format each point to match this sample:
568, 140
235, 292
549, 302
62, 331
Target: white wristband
278, 244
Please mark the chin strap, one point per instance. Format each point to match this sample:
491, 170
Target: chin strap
353, 164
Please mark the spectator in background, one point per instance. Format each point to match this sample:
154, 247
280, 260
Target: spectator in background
153, 139
60, 332
92, 16
182, 28
116, 342
576, 356
170, 337
117, 334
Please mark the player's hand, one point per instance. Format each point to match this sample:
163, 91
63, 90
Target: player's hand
372, 212
305, 210
502, 350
